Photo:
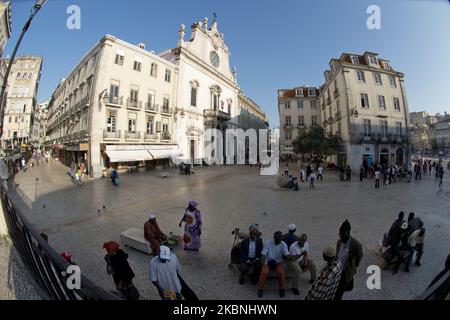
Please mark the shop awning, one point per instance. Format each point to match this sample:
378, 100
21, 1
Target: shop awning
128, 155
164, 154
141, 154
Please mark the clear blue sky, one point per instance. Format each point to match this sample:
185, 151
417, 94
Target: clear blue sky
274, 44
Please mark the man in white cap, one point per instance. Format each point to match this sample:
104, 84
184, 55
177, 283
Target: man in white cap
164, 269
153, 234
325, 286
290, 237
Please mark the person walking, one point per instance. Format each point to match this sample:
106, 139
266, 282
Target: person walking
348, 172
302, 174
308, 171
192, 219
441, 175
272, 259
118, 267
361, 173
416, 242
164, 269
299, 262
286, 170
326, 284
320, 173
377, 179
312, 178
350, 253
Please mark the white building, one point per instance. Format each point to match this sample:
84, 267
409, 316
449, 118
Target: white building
115, 106
39, 123
123, 105
23, 83
299, 111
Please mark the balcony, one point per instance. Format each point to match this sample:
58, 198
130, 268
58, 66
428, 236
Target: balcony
129, 135
134, 104
288, 126
111, 135
328, 101
214, 116
325, 123
300, 126
150, 136
383, 138
166, 110
85, 102
336, 93
115, 101
323, 105
368, 137
330, 120
165, 136
151, 107
338, 115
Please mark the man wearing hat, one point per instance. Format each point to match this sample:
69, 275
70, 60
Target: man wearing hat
325, 286
349, 251
250, 251
290, 237
164, 269
153, 234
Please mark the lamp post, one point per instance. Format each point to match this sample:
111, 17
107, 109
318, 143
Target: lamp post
37, 6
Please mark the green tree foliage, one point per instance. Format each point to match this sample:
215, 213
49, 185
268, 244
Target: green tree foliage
316, 143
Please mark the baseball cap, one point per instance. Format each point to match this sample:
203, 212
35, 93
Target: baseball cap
152, 216
292, 227
164, 253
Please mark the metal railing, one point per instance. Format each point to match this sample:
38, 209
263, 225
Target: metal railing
132, 135
152, 107
440, 290
134, 104
47, 267
111, 135
118, 101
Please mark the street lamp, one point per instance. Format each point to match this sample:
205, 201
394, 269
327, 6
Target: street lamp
37, 6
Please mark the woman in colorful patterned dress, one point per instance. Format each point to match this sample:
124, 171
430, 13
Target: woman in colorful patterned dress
192, 219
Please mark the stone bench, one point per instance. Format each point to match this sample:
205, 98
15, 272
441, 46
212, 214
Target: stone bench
134, 238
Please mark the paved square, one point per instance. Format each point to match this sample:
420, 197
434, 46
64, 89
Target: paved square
232, 197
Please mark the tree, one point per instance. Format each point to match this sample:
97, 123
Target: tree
316, 143
434, 145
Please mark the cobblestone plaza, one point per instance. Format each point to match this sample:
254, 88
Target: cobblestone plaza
229, 197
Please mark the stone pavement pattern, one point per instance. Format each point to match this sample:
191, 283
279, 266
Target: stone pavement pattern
15, 282
232, 197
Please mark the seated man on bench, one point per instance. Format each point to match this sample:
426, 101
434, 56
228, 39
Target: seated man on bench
153, 234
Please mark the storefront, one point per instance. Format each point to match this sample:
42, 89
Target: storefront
138, 158
367, 154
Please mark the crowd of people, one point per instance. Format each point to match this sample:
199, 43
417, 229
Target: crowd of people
404, 241
164, 266
394, 173
289, 251
308, 176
